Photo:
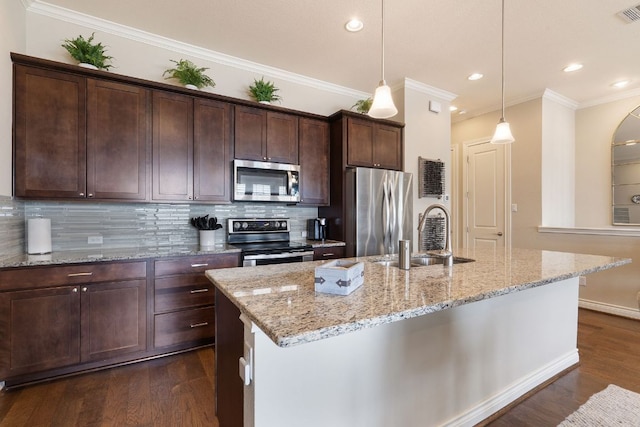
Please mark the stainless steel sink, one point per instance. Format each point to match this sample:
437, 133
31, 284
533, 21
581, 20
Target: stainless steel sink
421, 261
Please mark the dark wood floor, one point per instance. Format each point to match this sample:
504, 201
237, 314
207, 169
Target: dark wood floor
178, 390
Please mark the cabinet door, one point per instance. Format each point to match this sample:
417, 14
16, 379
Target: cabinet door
282, 138
172, 146
212, 151
387, 147
116, 140
41, 330
49, 134
360, 134
113, 319
314, 162
250, 133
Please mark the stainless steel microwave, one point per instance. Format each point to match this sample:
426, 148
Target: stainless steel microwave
265, 181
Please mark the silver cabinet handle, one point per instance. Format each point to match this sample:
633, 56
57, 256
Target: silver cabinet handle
199, 291
81, 194
75, 289
499, 233
79, 274
199, 325
328, 254
199, 265
84, 289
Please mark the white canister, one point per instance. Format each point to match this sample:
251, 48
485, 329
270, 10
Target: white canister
207, 239
39, 235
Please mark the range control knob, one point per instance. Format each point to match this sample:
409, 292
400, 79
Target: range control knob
245, 225
236, 225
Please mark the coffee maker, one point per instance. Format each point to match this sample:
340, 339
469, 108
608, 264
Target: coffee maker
317, 229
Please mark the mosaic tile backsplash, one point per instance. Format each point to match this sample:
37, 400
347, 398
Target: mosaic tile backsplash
12, 225
132, 225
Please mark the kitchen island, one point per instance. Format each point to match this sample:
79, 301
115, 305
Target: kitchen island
429, 346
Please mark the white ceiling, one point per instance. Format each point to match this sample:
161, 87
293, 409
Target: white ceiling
435, 42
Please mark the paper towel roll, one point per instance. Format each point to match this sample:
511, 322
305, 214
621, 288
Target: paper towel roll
38, 235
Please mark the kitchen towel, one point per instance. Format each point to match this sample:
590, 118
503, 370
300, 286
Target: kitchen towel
39, 235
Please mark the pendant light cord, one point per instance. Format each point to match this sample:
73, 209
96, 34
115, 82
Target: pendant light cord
502, 117
382, 65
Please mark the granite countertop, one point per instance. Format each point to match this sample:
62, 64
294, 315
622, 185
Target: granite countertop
96, 255
280, 299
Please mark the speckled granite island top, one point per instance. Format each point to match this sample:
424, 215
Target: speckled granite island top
280, 299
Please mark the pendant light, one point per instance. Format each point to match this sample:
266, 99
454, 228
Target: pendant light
503, 131
382, 106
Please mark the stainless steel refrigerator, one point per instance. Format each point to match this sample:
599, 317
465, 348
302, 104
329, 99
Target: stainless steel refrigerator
379, 211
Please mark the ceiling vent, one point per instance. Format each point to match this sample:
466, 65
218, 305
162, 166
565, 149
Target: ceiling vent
630, 15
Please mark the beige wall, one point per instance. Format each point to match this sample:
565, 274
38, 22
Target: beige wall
427, 134
614, 290
12, 39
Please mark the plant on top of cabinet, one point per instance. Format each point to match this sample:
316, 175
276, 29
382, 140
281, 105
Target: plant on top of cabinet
189, 74
362, 106
85, 52
264, 92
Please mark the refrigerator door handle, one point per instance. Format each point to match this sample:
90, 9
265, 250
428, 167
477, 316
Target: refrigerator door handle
385, 214
393, 220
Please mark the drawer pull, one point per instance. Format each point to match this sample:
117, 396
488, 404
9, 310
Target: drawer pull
198, 325
79, 274
199, 265
199, 291
328, 254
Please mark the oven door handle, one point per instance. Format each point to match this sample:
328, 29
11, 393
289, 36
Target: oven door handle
279, 255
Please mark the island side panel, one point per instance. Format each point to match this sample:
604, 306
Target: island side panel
229, 348
453, 367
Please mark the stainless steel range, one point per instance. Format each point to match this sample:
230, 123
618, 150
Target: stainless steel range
266, 241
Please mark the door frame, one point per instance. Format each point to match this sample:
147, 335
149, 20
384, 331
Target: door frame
465, 190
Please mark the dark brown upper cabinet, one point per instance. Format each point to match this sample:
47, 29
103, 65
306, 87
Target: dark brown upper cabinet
265, 136
314, 162
117, 140
172, 146
78, 138
372, 144
213, 151
49, 134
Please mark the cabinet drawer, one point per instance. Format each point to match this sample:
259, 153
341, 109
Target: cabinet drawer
330, 252
177, 292
184, 326
39, 277
197, 264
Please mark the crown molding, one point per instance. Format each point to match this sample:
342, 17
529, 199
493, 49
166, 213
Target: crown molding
559, 99
611, 98
429, 90
94, 23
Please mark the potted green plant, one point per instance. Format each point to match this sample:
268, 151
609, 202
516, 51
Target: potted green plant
189, 74
264, 92
88, 55
363, 105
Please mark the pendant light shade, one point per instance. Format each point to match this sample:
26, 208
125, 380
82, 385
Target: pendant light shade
382, 106
503, 133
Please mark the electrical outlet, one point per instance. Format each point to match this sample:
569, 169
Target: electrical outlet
94, 240
583, 281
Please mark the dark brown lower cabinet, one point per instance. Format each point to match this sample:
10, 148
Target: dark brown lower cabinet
184, 300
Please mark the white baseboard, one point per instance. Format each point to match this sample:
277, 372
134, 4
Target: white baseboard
490, 406
610, 309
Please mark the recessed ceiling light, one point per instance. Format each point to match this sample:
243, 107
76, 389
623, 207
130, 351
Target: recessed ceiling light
620, 84
354, 25
452, 108
572, 67
475, 76
462, 112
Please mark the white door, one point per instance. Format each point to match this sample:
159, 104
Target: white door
485, 196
